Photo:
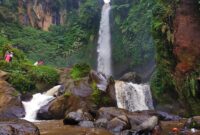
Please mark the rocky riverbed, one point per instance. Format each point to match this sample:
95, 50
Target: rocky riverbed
56, 127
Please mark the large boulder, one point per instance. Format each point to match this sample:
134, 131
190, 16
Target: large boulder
131, 77
111, 112
54, 110
104, 83
17, 127
100, 79
193, 122
118, 124
139, 121
74, 118
101, 123
55, 91
62, 105
82, 88
10, 102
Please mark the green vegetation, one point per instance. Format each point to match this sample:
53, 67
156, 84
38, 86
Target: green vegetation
24, 76
131, 34
62, 45
80, 70
98, 97
163, 83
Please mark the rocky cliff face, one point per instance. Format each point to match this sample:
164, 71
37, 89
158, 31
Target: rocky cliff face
186, 33
178, 52
186, 50
42, 14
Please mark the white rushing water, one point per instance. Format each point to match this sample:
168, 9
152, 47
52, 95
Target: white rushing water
133, 97
39, 100
104, 43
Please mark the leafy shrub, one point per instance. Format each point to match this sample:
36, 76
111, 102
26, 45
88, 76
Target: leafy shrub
96, 94
99, 97
44, 74
24, 76
80, 70
17, 54
21, 82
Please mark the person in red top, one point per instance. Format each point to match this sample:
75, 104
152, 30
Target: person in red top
7, 56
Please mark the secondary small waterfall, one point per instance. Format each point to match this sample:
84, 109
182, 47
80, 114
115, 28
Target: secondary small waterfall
133, 97
104, 44
39, 100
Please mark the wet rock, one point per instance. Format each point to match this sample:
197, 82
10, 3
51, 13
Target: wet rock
54, 110
193, 122
10, 102
100, 79
167, 116
86, 124
139, 121
17, 127
149, 124
55, 91
118, 124
110, 112
74, 118
82, 88
111, 91
189, 132
101, 123
62, 105
131, 77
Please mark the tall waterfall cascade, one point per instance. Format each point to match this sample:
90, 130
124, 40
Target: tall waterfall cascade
38, 100
133, 97
104, 44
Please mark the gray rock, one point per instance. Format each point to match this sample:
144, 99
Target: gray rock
149, 124
17, 127
74, 118
101, 123
131, 77
118, 124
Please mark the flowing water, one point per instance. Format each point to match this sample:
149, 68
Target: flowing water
104, 44
39, 100
32, 107
133, 97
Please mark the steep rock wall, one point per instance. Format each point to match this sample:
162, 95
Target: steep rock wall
42, 14
176, 32
187, 33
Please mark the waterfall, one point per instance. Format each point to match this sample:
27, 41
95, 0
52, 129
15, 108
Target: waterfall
133, 97
39, 100
104, 44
